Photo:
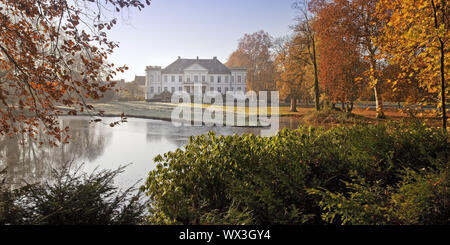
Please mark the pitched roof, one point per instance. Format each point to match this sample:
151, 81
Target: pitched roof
214, 66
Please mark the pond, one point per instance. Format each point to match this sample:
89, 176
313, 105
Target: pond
97, 145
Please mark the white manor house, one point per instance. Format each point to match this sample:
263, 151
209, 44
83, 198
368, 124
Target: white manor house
194, 75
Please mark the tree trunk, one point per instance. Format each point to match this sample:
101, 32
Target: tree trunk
293, 107
442, 70
444, 110
316, 78
378, 102
376, 88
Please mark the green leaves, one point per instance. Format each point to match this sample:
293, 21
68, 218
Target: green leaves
304, 176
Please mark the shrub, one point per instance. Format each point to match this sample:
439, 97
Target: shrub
73, 198
422, 197
289, 178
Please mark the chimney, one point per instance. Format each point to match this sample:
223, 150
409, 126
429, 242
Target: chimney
179, 57
197, 57
215, 58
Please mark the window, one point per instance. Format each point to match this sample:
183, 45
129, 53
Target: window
151, 78
195, 78
232, 89
203, 78
232, 79
219, 89
211, 79
239, 88
165, 78
180, 79
188, 79
173, 78
180, 88
226, 89
226, 79
218, 79
188, 89
152, 90
239, 79
211, 89
173, 89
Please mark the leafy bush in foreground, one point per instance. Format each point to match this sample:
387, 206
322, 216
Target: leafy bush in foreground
390, 174
73, 198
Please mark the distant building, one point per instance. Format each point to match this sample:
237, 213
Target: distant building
194, 74
139, 80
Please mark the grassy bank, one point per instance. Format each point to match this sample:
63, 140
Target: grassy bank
304, 115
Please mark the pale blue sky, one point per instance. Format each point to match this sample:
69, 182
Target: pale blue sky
188, 28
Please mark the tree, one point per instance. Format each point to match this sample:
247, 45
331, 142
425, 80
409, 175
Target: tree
415, 36
304, 26
294, 70
341, 67
356, 19
53, 52
254, 53
406, 90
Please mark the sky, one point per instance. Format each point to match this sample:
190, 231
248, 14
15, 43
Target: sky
166, 29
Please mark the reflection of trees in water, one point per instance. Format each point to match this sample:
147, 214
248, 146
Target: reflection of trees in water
27, 162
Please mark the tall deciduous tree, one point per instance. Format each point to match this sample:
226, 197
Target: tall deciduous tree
53, 52
357, 20
294, 70
254, 53
415, 37
304, 27
341, 65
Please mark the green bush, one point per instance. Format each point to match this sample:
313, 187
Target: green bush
422, 197
291, 178
73, 198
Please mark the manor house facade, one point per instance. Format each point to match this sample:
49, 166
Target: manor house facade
199, 75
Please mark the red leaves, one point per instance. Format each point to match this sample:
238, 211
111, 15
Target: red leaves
52, 62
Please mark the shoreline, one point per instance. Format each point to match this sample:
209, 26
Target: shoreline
109, 115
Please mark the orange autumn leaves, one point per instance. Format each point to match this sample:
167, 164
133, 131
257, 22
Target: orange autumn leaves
53, 52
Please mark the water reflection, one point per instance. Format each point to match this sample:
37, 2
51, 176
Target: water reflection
99, 145
27, 162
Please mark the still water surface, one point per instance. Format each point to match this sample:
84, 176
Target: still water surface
97, 145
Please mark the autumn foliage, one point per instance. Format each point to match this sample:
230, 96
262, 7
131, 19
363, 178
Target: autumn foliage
54, 52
